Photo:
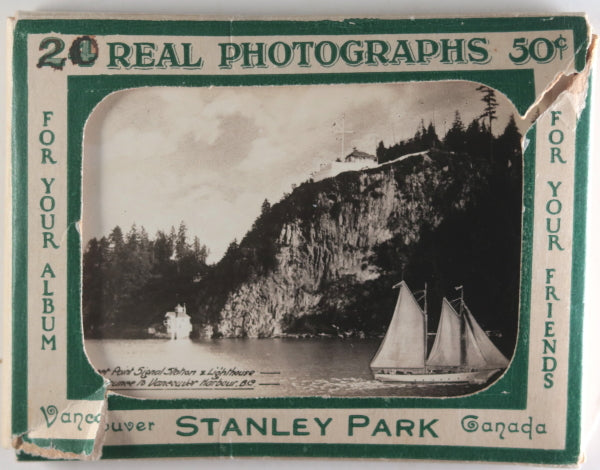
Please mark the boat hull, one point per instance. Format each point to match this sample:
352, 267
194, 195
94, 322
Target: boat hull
458, 377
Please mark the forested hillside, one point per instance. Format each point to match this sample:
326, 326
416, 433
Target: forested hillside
323, 259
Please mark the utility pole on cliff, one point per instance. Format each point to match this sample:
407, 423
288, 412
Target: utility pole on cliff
343, 133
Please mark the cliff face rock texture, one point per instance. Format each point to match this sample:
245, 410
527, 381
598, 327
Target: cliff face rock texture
326, 251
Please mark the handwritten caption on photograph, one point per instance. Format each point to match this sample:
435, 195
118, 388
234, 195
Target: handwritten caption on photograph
181, 378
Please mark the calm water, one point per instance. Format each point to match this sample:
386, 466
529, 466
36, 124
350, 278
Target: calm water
249, 368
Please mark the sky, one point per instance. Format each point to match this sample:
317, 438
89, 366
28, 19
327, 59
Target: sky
209, 156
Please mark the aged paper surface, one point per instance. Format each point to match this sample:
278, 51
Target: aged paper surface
299, 237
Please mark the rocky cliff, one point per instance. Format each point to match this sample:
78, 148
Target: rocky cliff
324, 258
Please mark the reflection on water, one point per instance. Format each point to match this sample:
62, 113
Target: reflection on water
327, 367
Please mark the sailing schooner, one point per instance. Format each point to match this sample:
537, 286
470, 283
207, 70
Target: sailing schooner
461, 352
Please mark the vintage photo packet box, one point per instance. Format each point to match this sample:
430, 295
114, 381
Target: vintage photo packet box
352, 238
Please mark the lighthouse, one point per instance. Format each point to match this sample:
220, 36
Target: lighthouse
178, 323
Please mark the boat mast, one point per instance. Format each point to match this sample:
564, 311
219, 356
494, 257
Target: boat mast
463, 329
425, 320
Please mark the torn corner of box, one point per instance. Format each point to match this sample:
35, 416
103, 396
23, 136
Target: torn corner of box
574, 86
41, 441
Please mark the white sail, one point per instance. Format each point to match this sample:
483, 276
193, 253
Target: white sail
446, 347
491, 355
404, 342
461, 342
474, 358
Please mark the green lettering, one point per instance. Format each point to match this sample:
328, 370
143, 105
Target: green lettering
48, 270
321, 54
549, 347
554, 187
47, 156
404, 425
551, 292
50, 342
187, 57
381, 427
47, 137
210, 425
231, 426
357, 421
275, 431
426, 50
298, 425
49, 240
555, 155
118, 53
427, 427
181, 422
553, 242
556, 137
323, 424
377, 49
48, 305
357, 54
403, 52
478, 54
45, 327
143, 51
303, 46
250, 423
457, 49
280, 54
230, 52
258, 53
169, 54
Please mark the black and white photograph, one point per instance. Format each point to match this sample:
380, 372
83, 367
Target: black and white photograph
311, 240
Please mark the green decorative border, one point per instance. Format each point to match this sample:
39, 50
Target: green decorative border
582, 151
75, 446
81, 105
19, 221
352, 451
85, 92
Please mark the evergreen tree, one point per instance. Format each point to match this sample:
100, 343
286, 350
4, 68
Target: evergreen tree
455, 139
92, 279
489, 98
509, 158
477, 140
510, 141
233, 247
430, 139
265, 207
181, 246
162, 251
132, 237
200, 252
420, 131
116, 239
172, 237
114, 277
146, 244
380, 152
